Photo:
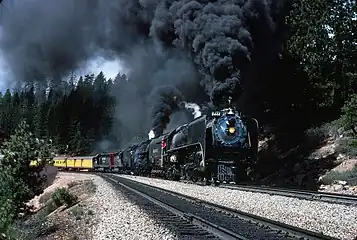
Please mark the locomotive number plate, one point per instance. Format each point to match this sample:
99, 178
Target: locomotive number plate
216, 114
225, 173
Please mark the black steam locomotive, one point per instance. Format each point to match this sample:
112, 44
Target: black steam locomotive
217, 147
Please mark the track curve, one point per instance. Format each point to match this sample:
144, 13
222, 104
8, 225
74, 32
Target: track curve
222, 222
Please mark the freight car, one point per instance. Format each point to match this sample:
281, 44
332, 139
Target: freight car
107, 162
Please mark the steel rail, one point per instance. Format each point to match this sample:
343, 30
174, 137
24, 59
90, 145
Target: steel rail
336, 198
279, 226
295, 193
302, 194
214, 229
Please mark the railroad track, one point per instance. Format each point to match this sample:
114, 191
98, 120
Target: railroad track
192, 218
302, 194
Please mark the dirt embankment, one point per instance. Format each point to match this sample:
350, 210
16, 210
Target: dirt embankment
330, 165
59, 214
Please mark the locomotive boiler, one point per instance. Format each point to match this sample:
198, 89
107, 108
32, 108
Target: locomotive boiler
217, 147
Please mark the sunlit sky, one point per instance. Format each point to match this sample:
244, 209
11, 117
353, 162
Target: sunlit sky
4, 72
94, 65
110, 68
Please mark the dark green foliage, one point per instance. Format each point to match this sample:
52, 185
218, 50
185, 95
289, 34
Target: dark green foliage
18, 181
315, 74
349, 115
74, 115
63, 197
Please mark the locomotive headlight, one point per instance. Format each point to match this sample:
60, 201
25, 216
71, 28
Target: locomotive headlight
231, 130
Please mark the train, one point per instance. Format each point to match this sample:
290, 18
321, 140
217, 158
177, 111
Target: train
216, 147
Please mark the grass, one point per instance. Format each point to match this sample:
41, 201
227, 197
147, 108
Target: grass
78, 212
347, 146
349, 176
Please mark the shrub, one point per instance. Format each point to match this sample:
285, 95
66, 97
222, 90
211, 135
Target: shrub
63, 197
349, 176
77, 212
325, 131
347, 146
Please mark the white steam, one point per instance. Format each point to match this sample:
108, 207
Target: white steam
151, 134
195, 108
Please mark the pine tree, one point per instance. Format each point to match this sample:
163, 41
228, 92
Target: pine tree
18, 181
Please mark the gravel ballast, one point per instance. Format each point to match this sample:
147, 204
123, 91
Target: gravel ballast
335, 220
118, 218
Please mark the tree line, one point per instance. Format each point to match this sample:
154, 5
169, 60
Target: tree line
75, 116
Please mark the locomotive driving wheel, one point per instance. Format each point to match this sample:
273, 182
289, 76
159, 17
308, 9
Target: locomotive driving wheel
216, 182
211, 173
195, 175
173, 174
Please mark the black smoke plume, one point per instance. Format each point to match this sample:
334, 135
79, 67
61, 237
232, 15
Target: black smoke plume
163, 42
218, 35
166, 100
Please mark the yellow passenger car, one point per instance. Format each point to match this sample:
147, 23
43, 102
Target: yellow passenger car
33, 163
74, 163
59, 162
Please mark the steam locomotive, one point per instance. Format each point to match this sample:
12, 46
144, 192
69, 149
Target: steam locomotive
217, 147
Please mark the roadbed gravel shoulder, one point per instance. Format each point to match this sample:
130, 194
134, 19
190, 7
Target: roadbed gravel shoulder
242, 228
119, 218
335, 220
